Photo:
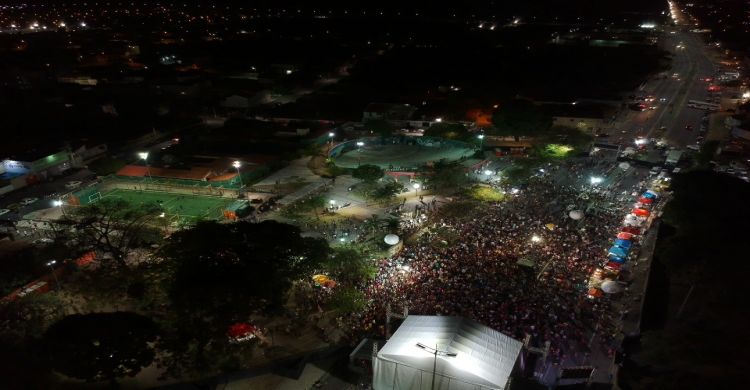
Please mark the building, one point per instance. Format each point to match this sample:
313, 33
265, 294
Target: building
476, 357
588, 117
32, 167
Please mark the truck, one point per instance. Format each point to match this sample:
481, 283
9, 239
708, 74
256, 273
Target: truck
673, 157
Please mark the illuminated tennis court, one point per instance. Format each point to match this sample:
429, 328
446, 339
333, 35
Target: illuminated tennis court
184, 206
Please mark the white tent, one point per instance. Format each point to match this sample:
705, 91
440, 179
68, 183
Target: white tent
484, 358
576, 214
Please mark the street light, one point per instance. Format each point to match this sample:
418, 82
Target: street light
435, 352
488, 172
416, 188
438, 120
596, 180
481, 140
144, 156
536, 238
50, 264
331, 135
237, 164
59, 203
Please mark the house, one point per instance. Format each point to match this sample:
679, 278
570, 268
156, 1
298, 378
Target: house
589, 117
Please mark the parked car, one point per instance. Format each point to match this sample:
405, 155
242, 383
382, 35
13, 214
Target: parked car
73, 184
28, 201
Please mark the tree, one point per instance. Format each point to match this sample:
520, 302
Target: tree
701, 250
115, 226
350, 267
381, 127
447, 177
347, 299
100, 346
521, 117
455, 131
387, 191
222, 273
368, 173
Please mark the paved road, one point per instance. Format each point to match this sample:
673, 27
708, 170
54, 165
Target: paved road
689, 63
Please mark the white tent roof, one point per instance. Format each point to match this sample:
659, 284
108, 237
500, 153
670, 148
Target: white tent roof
484, 357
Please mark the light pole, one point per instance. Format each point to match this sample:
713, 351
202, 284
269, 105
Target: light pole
481, 141
237, 164
435, 352
416, 188
59, 203
50, 264
360, 144
144, 157
332, 202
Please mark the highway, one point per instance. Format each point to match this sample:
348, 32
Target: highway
691, 61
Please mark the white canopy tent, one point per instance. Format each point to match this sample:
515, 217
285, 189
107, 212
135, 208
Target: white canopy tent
484, 358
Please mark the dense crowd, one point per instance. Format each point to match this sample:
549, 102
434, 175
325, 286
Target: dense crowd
508, 267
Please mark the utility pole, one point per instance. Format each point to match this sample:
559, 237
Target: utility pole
435, 352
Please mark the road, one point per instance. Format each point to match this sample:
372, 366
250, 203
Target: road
691, 61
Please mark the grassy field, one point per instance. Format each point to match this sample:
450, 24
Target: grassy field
187, 207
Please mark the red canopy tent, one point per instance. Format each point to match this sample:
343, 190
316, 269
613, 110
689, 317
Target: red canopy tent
240, 330
631, 230
613, 266
624, 236
641, 212
595, 292
645, 200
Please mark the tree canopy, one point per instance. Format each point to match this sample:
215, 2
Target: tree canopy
221, 274
521, 117
380, 127
100, 346
455, 131
368, 173
700, 248
227, 271
114, 226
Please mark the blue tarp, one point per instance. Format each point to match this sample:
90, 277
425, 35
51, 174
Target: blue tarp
650, 195
623, 243
616, 259
618, 251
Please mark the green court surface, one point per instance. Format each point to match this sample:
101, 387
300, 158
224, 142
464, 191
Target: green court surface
401, 156
184, 206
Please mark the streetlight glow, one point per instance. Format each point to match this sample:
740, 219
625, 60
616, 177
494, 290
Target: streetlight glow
143, 155
331, 134
237, 164
596, 180
360, 143
536, 238
57, 203
488, 172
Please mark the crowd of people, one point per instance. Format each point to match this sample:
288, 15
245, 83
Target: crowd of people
520, 267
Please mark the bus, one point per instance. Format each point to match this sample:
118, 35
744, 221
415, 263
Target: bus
703, 105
